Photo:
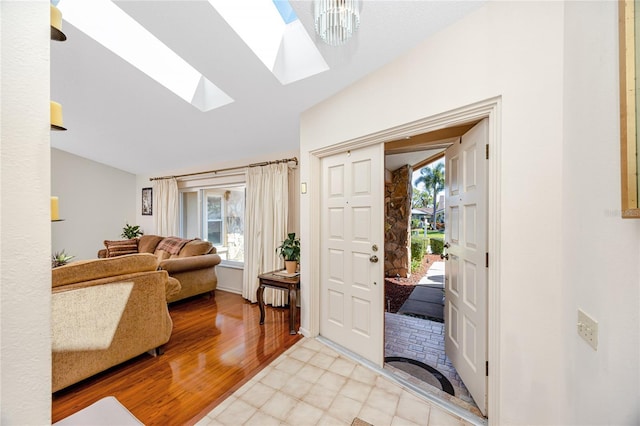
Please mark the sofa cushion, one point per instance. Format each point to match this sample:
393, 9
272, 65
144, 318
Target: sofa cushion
195, 248
161, 255
148, 243
101, 268
121, 247
173, 288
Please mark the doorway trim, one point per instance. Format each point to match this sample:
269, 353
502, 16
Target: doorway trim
488, 108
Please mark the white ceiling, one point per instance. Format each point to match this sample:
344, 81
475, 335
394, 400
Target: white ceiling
118, 116
395, 161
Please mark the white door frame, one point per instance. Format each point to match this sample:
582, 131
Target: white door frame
490, 109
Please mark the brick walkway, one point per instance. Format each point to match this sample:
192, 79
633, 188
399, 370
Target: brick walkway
423, 340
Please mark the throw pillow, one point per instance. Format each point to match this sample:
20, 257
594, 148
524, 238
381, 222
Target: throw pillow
121, 247
195, 248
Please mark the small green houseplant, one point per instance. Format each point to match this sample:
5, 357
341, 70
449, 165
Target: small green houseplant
289, 250
130, 231
60, 258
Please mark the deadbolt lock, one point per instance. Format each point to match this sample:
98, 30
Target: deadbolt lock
374, 247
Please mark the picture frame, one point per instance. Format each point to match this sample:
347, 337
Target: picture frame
629, 44
147, 201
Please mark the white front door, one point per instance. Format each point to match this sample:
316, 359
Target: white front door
465, 270
352, 251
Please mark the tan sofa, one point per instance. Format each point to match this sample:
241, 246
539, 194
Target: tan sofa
191, 262
105, 312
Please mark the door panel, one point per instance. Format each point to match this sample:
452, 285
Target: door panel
361, 223
351, 285
452, 320
336, 223
336, 301
454, 226
465, 271
470, 227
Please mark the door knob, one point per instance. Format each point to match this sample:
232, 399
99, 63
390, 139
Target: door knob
447, 245
373, 259
444, 256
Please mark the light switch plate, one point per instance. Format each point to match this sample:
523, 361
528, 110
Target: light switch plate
588, 329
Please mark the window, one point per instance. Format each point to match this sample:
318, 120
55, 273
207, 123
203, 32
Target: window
215, 214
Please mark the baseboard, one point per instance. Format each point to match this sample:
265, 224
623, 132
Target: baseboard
229, 289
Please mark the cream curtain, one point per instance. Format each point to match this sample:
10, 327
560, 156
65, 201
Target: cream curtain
166, 207
266, 216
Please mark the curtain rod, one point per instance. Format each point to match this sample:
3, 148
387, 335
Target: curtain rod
264, 163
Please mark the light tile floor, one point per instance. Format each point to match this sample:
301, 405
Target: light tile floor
312, 384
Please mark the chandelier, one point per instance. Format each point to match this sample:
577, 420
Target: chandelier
336, 20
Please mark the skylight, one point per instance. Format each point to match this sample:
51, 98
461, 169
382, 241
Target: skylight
110, 26
276, 36
285, 10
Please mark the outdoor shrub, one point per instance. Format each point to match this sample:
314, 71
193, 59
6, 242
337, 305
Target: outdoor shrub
418, 247
415, 264
436, 246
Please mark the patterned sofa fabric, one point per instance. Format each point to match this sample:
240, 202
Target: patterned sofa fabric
105, 312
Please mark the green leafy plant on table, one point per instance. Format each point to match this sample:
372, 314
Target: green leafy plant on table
131, 231
60, 258
289, 250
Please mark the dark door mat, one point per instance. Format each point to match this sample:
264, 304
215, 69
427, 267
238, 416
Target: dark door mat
422, 371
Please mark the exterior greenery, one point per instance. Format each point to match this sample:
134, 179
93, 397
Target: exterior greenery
437, 245
418, 246
415, 264
418, 251
438, 235
420, 198
432, 177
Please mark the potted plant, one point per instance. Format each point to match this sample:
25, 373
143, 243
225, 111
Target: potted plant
60, 258
130, 231
289, 250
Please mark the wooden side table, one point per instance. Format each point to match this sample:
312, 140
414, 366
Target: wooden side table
280, 282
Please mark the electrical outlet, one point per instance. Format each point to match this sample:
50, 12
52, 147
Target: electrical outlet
588, 329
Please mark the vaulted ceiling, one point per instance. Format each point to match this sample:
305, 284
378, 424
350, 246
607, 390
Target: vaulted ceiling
118, 116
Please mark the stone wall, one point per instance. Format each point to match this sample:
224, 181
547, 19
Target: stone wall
397, 205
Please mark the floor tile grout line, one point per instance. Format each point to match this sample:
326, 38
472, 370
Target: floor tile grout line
311, 344
446, 405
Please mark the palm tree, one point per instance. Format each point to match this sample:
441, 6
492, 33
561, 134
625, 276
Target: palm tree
432, 177
420, 198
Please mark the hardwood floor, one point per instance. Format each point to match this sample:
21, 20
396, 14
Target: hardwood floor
216, 346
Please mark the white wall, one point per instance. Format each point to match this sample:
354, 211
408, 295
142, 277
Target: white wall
229, 279
96, 201
145, 222
551, 194
600, 250
25, 228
